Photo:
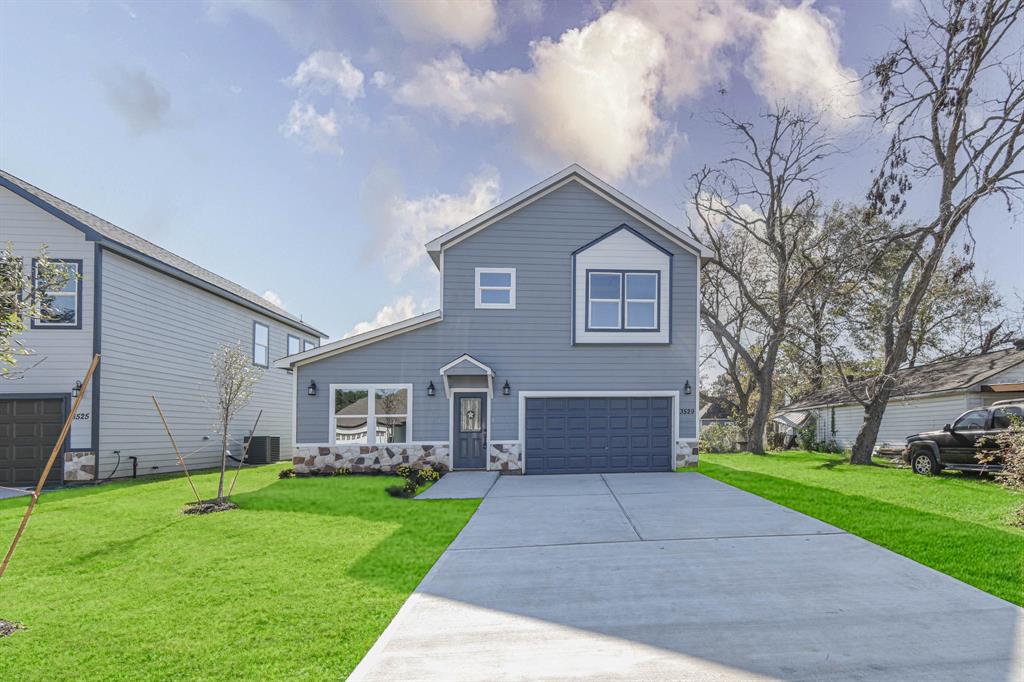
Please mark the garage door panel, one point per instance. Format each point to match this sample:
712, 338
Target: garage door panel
616, 434
29, 428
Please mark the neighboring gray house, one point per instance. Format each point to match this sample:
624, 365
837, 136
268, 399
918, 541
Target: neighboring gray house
566, 342
156, 319
929, 396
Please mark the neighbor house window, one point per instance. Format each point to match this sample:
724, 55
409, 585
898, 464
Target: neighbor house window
294, 345
495, 287
260, 344
64, 304
622, 301
308, 345
371, 414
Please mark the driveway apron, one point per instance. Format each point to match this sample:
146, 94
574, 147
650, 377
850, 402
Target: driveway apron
681, 577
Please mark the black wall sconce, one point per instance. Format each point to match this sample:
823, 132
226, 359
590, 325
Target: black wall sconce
506, 389
77, 389
311, 389
431, 390
686, 388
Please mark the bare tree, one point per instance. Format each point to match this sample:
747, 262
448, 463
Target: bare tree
757, 212
25, 296
952, 92
235, 376
732, 315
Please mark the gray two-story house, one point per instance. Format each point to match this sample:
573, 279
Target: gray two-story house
566, 342
156, 319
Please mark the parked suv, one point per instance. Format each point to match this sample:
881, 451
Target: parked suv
957, 445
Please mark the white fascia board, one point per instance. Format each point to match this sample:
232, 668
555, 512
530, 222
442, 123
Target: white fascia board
587, 179
470, 359
359, 340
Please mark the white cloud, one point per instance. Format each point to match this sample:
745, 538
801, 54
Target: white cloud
315, 131
469, 23
795, 58
382, 79
401, 309
404, 225
903, 6
324, 70
590, 96
273, 297
601, 94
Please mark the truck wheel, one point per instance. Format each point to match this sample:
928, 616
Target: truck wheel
923, 462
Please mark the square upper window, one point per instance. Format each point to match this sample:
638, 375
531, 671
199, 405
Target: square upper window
496, 288
622, 301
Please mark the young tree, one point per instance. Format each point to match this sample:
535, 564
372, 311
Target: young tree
758, 214
952, 92
23, 298
235, 376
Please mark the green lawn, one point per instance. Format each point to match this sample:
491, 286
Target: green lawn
954, 523
114, 583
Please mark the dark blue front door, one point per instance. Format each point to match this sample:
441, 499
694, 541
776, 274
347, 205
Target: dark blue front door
470, 430
598, 435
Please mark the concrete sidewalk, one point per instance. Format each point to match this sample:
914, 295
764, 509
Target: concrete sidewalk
678, 576
460, 485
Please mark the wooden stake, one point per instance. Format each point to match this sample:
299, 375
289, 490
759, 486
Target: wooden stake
181, 460
245, 453
49, 463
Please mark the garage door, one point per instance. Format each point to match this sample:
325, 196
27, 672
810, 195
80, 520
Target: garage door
598, 435
28, 431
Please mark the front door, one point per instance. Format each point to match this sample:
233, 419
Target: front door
470, 431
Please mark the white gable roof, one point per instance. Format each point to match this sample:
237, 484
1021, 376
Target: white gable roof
574, 173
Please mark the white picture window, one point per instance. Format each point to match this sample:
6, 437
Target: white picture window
260, 344
622, 301
496, 288
371, 414
63, 305
294, 345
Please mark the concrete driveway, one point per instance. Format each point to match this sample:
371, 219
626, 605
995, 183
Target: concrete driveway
680, 577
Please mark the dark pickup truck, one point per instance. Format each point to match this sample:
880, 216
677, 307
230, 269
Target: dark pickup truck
957, 445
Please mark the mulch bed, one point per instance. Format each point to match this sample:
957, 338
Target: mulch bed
208, 507
9, 627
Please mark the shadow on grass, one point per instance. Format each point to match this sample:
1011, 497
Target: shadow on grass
987, 558
425, 527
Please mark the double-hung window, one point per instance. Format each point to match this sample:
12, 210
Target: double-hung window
371, 414
496, 288
63, 306
622, 300
260, 344
294, 345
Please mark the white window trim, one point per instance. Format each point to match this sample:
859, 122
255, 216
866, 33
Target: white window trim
511, 288
617, 301
654, 301
371, 416
255, 325
76, 266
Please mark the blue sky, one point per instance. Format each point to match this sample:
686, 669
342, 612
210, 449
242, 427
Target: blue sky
308, 150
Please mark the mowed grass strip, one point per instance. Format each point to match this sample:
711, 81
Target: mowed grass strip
953, 523
113, 582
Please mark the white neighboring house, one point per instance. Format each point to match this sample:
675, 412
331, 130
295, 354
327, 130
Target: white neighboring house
156, 319
930, 396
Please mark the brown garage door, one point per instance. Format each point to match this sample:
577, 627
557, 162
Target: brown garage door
28, 430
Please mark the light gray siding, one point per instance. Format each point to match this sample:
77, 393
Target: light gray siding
530, 346
902, 418
159, 334
60, 357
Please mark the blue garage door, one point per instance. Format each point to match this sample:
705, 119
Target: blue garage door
598, 435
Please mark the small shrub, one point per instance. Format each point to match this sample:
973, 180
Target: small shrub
399, 491
414, 478
774, 440
807, 434
826, 446
718, 438
287, 473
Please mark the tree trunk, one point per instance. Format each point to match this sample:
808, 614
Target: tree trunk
223, 458
868, 433
755, 431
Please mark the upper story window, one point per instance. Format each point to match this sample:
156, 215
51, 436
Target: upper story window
495, 287
623, 300
307, 345
294, 345
260, 344
64, 305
